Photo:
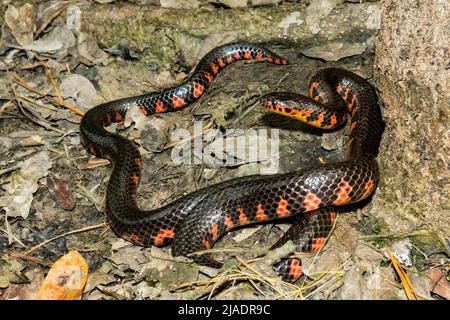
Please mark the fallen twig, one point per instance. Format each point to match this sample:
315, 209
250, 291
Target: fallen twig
14, 237
59, 100
63, 235
25, 257
407, 286
173, 144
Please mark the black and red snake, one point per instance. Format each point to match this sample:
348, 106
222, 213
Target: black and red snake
194, 222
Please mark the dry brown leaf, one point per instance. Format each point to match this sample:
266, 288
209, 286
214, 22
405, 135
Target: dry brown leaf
78, 91
48, 11
22, 184
21, 23
439, 285
60, 192
89, 52
25, 291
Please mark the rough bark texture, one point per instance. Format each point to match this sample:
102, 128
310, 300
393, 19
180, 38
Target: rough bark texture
412, 73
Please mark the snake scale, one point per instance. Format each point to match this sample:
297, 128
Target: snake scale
196, 221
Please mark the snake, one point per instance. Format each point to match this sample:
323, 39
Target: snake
194, 222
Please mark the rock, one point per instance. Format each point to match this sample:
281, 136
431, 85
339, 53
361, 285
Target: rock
176, 4
413, 83
234, 3
156, 31
290, 22
256, 3
332, 140
317, 10
335, 51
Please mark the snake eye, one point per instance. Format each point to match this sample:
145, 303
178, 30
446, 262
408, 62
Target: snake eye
269, 102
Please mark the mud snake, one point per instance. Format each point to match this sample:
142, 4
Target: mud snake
196, 221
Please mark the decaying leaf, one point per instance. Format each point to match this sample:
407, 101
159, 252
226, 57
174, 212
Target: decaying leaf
99, 278
56, 44
78, 91
74, 18
438, 284
238, 147
167, 270
128, 257
246, 233
66, 279
10, 271
21, 23
25, 291
104, 1
24, 27
134, 115
89, 52
6, 41
60, 192
48, 11
22, 183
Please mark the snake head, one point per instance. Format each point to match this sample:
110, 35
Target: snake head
277, 101
270, 101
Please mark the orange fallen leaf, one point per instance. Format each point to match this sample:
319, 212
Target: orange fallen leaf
66, 278
407, 286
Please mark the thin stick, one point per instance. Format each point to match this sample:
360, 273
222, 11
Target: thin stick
7, 105
37, 103
22, 256
282, 78
21, 82
63, 235
173, 144
407, 286
245, 113
59, 100
7, 170
22, 108
14, 237
421, 232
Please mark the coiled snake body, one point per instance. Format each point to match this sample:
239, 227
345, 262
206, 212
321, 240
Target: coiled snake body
195, 221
